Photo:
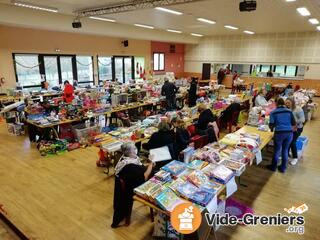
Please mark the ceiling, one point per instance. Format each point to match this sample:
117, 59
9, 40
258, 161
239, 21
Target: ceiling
271, 16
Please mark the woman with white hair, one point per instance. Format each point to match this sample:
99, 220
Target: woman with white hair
129, 174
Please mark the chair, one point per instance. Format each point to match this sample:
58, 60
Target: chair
193, 133
201, 141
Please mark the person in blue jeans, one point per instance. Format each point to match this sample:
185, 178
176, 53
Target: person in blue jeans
282, 122
298, 114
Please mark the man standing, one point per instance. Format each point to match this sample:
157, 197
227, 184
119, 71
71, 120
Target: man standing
221, 75
192, 98
169, 90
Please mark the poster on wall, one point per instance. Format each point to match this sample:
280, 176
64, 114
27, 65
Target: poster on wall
139, 68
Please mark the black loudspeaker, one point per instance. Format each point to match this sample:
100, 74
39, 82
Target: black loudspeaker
76, 24
172, 48
125, 43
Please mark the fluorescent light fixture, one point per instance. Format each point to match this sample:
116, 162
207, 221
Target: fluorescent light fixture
248, 32
143, 26
103, 19
318, 28
168, 10
174, 31
290, 0
231, 27
303, 11
314, 21
36, 7
196, 34
206, 20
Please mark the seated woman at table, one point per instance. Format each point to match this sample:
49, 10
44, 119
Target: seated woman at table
260, 100
129, 174
207, 123
282, 122
164, 137
182, 136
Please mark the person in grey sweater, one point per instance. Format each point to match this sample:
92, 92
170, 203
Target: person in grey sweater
300, 119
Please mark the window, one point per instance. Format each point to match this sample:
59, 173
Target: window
264, 68
51, 70
158, 61
127, 69
85, 69
66, 69
280, 69
105, 68
27, 70
123, 69
118, 67
291, 71
139, 67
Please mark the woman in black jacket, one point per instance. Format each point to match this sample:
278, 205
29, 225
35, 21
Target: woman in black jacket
192, 99
163, 137
182, 136
129, 174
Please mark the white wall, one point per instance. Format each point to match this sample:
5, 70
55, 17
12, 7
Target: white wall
282, 48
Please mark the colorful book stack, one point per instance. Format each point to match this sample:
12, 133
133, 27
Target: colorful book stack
222, 174
208, 170
163, 176
168, 200
174, 167
197, 164
183, 175
197, 178
235, 166
195, 194
147, 187
176, 183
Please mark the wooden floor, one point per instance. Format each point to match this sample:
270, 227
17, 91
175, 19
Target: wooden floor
67, 197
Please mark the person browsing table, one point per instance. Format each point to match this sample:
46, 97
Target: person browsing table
282, 122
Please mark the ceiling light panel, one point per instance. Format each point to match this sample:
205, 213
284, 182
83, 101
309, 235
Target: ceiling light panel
248, 32
230, 27
36, 7
206, 20
168, 11
314, 21
173, 31
103, 19
196, 34
143, 26
303, 11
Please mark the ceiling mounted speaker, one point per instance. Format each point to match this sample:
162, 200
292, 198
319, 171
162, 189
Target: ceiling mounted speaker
125, 43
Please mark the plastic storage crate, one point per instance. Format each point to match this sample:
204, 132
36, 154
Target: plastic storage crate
302, 142
85, 132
